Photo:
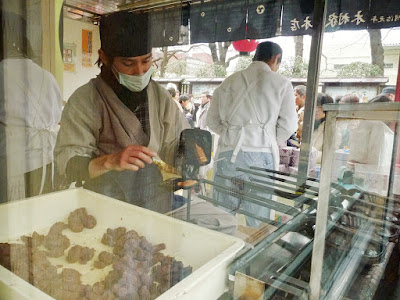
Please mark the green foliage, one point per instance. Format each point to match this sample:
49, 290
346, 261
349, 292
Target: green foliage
176, 67
219, 71
243, 62
211, 71
360, 69
294, 67
205, 71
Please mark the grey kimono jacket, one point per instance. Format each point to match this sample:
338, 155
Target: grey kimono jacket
95, 122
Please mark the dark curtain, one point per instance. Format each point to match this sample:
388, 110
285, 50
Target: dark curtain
231, 20
263, 20
384, 14
203, 22
165, 24
341, 15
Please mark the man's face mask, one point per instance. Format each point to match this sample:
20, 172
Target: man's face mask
134, 83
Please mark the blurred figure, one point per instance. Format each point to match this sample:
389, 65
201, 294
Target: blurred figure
300, 98
201, 115
173, 92
345, 126
387, 95
319, 125
337, 99
30, 111
350, 98
380, 98
190, 105
184, 100
390, 92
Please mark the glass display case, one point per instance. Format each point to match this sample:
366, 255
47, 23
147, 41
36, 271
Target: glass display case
360, 228
339, 244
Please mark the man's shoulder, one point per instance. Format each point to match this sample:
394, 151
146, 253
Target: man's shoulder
159, 89
83, 95
84, 89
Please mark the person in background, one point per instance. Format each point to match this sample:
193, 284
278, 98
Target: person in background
30, 110
300, 97
195, 109
203, 110
253, 111
184, 100
345, 126
337, 99
191, 97
172, 91
380, 98
350, 98
390, 92
319, 125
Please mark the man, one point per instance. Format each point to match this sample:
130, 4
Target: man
114, 125
201, 114
173, 92
300, 97
253, 110
184, 101
389, 92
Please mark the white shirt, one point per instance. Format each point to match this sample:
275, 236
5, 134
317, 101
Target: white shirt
253, 110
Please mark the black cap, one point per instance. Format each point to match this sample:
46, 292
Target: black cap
125, 34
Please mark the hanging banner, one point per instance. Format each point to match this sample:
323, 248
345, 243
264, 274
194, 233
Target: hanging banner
173, 20
264, 16
203, 22
341, 15
157, 26
166, 27
384, 14
87, 44
231, 20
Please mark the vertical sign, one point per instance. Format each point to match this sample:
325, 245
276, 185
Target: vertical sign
87, 42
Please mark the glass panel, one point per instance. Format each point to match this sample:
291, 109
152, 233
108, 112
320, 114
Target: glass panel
359, 154
362, 223
121, 236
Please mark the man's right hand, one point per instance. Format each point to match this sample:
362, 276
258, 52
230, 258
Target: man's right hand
132, 158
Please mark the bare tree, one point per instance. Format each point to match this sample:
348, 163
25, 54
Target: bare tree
377, 56
167, 55
298, 46
219, 51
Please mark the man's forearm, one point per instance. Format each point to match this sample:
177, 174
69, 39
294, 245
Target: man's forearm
97, 167
78, 168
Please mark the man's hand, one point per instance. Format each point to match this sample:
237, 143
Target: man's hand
131, 158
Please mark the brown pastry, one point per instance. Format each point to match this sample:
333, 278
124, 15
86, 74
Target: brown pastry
81, 254
79, 219
201, 156
187, 183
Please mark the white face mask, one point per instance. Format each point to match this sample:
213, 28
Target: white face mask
134, 83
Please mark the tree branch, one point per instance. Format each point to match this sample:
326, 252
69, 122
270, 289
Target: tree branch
230, 59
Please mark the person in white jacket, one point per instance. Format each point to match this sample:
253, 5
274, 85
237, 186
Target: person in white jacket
30, 110
252, 111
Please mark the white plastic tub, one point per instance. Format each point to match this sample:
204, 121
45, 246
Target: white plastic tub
207, 251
